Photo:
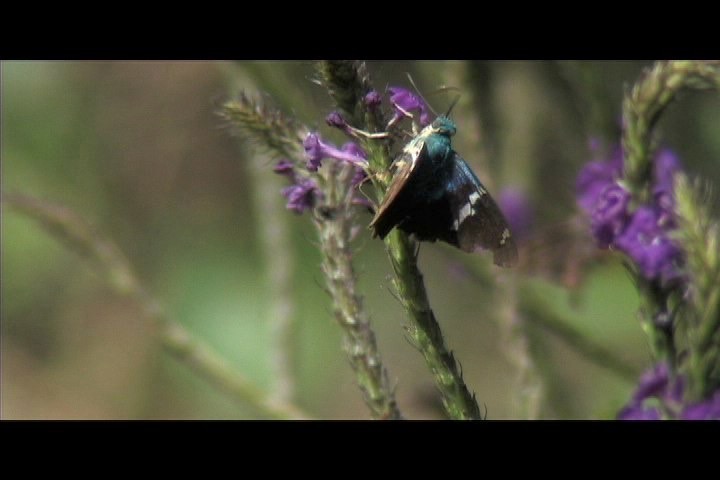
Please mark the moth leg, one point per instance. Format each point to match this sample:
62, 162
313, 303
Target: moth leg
357, 133
395, 120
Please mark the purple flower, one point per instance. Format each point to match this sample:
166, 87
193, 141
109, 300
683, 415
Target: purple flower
638, 412
359, 177
404, 100
666, 165
316, 150
301, 196
354, 149
654, 384
610, 214
372, 99
334, 119
518, 211
658, 386
285, 167
706, 410
648, 244
595, 177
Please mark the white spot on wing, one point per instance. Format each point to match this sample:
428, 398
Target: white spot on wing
505, 236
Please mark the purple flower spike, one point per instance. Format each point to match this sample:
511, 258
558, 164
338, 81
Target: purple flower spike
316, 150
649, 246
301, 197
403, 99
373, 99
518, 211
610, 215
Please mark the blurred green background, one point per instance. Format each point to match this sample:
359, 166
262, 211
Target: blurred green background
139, 150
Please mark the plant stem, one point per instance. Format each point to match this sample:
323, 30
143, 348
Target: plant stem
425, 330
67, 227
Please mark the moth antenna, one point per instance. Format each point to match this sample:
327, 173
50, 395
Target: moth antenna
452, 105
412, 82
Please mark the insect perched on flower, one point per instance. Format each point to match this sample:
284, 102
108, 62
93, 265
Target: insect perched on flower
435, 195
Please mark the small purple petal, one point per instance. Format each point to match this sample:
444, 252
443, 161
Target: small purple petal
649, 246
354, 149
518, 211
638, 412
301, 197
373, 99
314, 151
595, 177
652, 383
359, 177
706, 410
334, 119
404, 99
666, 165
284, 167
610, 215
362, 201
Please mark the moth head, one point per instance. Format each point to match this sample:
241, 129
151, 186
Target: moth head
442, 125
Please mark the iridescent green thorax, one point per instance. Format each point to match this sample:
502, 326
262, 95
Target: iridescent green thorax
436, 139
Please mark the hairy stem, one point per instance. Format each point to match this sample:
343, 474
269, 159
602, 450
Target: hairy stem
333, 219
359, 339
643, 106
424, 329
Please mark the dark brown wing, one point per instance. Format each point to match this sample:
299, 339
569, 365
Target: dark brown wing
478, 220
394, 206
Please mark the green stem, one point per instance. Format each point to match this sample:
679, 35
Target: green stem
71, 230
425, 330
359, 339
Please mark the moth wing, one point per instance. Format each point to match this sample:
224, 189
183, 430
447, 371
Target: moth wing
478, 220
391, 209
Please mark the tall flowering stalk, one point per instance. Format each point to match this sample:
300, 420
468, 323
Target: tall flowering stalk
639, 203
329, 195
349, 85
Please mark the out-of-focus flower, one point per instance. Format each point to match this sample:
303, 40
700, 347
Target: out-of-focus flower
372, 99
595, 177
610, 214
518, 211
658, 392
644, 234
403, 100
650, 247
706, 410
302, 195
284, 167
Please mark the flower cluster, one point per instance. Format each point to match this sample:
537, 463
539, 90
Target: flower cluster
304, 193
642, 234
659, 395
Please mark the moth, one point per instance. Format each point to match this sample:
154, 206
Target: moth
435, 195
